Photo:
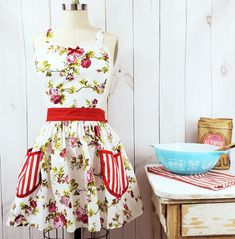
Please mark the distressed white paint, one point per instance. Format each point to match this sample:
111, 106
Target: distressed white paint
208, 219
173, 189
177, 64
161, 211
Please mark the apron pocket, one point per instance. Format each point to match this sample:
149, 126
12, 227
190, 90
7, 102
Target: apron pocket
113, 172
29, 175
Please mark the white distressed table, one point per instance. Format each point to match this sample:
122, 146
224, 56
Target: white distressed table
186, 211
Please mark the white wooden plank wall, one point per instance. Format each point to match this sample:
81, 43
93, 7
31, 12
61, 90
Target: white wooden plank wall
176, 62
198, 82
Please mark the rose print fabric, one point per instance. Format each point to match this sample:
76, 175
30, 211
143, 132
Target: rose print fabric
72, 191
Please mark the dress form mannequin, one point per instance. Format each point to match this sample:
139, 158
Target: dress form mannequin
75, 28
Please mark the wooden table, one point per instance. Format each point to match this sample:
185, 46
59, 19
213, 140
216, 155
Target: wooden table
186, 211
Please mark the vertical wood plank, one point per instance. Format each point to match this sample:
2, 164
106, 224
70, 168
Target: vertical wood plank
223, 59
120, 103
1, 201
13, 109
146, 101
173, 221
36, 19
198, 65
172, 70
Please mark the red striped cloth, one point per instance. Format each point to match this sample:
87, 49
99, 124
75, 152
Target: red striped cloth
113, 172
211, 180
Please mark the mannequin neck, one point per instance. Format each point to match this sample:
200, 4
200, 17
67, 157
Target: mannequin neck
77, 19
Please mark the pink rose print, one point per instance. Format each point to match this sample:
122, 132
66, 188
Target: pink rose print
52, 207
99, 147
126, 207
97, 131
106, 56
29, 209
65, 201
73, 141
62, 73
79, 212
74, 53
94, 103
56, 99
19, 218
67, 178
33, 203
89, 175
84, 218
49, 149
59, 221
71, 58
81, 215
53, 91
69, 77
86, 62
63, 153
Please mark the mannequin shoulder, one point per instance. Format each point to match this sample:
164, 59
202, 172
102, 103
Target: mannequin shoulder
111, 41
110, 37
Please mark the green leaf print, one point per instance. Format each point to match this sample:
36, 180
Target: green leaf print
56, 143
45, 66
91, 212
49, 84
70, 223
86, 164
88, 102
105, 69
90, 54
66, 193
58, 174
48, 73
46, 165
95, 82
62, 51
72, 185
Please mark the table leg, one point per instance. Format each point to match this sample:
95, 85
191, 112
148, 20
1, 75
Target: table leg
157, 227
173, 221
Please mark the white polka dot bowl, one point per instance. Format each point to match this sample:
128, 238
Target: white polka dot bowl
187, 158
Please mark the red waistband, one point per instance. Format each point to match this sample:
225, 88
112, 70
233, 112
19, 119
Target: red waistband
83, 114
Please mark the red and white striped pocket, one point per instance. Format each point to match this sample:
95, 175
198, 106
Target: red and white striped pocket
29, 175
113, 172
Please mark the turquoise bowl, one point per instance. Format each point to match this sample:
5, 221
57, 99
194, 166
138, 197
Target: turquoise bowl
187, 158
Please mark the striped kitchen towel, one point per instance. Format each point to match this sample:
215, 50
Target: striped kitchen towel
211, 180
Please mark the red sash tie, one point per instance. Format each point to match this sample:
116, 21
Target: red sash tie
83, 114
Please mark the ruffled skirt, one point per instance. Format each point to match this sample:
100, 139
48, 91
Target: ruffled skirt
77, 174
